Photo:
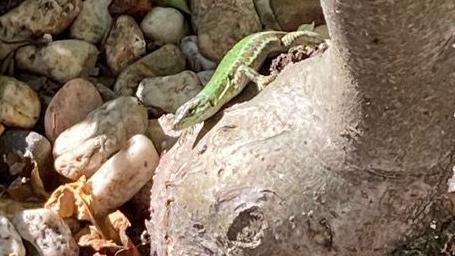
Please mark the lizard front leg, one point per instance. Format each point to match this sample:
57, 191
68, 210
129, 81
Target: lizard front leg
261, 81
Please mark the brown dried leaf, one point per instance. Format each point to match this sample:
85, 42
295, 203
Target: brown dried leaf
109, 237
121, 223
65, 204
91, 237
72, 200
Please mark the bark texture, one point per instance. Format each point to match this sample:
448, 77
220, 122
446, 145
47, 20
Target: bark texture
346, 153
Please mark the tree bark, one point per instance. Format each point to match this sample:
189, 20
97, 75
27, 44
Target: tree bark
346, 153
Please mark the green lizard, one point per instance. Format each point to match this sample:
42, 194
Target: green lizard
236, 69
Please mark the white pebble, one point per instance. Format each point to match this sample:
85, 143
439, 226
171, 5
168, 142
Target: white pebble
93, 22
85, 146
60, 60
46, 231
19, 104
169, 92
164, 25
123, 175
10, 240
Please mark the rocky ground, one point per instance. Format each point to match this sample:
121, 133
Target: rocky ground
82, 86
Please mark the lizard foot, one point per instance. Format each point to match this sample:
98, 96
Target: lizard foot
261, 81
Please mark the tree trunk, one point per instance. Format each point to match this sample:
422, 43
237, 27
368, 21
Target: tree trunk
346, 153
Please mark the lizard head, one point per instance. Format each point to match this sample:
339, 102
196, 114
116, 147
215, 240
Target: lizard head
192, 112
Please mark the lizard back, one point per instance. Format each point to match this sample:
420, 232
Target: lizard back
250, 51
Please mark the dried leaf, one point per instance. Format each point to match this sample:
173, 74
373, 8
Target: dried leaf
121, 223
65, 204
91, 237
111, 239
107, 235
72, 200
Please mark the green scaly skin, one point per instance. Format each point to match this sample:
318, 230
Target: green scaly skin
236, 69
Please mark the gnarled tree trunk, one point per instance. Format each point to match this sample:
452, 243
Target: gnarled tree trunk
346, 153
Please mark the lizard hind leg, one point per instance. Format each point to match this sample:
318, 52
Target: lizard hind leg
261, 81
306, 37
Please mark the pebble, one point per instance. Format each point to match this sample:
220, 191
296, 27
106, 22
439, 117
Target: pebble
220, 24
19, 104
93, 22
167, 60
169, 92
196, 61
60, 60
164, 25
70, 105
10, 241
46, 231
161, 141
123, 175
267, 15
106, 93
290, 14
125, 44
84, 147
6, 6
32, 18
